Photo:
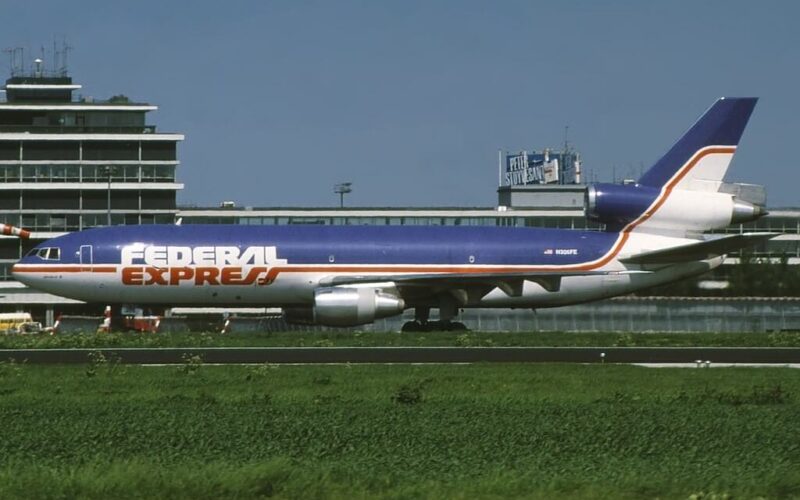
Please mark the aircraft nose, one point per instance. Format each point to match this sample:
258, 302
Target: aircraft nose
19, 274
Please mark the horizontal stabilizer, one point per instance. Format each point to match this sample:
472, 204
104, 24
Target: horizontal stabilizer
701, 250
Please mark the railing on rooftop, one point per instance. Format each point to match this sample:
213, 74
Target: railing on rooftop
81, 100
75, 129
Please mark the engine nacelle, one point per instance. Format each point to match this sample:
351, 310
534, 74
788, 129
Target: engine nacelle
345, 306
617, 205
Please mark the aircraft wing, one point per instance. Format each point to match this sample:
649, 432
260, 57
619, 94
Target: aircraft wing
701, 250
509, 282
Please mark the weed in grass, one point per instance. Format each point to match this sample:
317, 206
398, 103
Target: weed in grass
99, 360
326, 399
191, 364
10, 369
758, 395
473, 340
260, 372
624, 340
261, 399
323, 379
410, 393
784, 339
711, 495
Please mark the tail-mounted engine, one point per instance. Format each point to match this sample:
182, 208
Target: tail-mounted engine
617, 204
344, 306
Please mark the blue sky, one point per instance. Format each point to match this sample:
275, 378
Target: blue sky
411, 100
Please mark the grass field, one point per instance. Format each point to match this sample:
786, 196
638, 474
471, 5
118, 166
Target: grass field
192, 431
349, 338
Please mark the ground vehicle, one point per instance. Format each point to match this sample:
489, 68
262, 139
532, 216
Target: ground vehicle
19, 322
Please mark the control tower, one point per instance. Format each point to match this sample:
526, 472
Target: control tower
70, 162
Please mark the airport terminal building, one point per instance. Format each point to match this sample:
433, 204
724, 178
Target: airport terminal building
70, 162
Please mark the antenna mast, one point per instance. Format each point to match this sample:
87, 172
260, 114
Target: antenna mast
16, 60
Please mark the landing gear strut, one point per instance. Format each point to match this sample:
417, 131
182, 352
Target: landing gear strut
421, 322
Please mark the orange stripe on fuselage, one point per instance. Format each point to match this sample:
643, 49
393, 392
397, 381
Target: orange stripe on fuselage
62, 269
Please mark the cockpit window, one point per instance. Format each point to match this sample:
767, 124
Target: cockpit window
46, 253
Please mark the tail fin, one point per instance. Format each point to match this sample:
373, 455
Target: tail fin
683, 192
700, 158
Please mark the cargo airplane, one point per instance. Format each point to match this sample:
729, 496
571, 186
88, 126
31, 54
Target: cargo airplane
654, 233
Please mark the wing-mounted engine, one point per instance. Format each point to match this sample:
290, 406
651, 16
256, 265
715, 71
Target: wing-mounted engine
617, 205
346, 306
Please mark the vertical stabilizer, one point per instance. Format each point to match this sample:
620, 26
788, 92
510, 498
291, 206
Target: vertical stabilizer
683, 193
700, 158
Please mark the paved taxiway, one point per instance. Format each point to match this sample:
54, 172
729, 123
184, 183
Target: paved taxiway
234, 355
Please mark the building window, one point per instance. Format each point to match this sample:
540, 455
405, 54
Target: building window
51, 200
130, 173
12, 219
110, 150
128, 200
155, 200
41, 173
5, 272
9, 150
95, 200
158, 173
170, 219
158, 151
50, 150
9, 173
9, 248
35, 173
94, 173
93, 220
72, 173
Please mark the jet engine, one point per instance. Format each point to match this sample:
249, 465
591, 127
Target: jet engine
618, 204
345, 306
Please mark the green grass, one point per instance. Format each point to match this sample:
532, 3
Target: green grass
348, 338
484, 430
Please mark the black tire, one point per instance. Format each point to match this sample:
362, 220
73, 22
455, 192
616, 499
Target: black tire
414, 327
457, 326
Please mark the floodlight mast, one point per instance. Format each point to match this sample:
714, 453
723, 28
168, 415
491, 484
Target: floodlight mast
341, 190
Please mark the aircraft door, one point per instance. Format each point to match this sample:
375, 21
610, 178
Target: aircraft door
86, 256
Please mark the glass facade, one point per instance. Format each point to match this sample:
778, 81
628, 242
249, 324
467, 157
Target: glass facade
86, 173
577, 222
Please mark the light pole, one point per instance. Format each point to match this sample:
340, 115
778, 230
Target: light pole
341, 190
108, 170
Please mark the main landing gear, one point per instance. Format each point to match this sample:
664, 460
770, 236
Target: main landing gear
422, 322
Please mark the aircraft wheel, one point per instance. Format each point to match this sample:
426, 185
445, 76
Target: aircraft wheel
414, 326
